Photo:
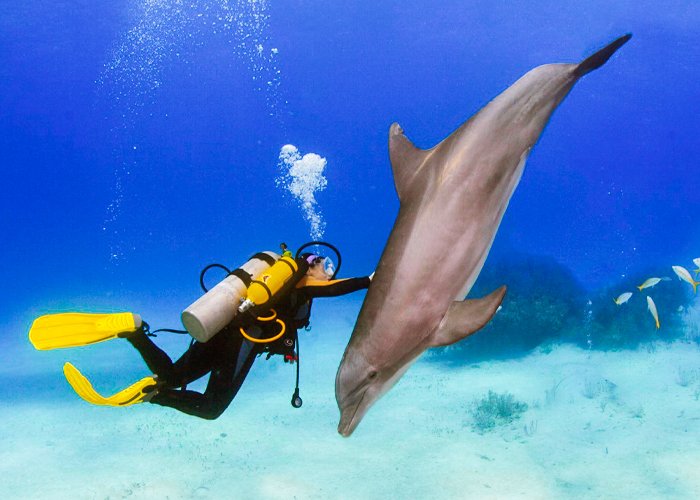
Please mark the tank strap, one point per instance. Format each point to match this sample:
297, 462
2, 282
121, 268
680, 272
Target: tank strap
242, 275
265, 287
264, 257
290, 266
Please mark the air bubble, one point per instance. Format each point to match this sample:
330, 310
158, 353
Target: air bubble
302, 176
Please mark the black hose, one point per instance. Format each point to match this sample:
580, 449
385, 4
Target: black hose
324, 244
169, 330
296, 338
296, 399
204, 271
147, 330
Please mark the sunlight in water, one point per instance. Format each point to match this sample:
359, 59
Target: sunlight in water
164, 33
164, 30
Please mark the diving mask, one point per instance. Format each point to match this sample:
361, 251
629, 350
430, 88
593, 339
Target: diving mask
326, 262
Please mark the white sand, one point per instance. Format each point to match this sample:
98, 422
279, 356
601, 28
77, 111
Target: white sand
621, 425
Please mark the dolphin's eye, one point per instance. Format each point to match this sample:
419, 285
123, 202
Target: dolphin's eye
372, 375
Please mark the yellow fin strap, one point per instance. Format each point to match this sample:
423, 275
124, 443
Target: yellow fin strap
283, 328
133, 394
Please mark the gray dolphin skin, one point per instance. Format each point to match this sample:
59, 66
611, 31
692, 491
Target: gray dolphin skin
452, 198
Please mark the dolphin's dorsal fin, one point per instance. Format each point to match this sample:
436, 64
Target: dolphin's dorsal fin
466, 317
406, 160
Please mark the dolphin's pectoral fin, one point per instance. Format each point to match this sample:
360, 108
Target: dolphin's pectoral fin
466, 317
406, 159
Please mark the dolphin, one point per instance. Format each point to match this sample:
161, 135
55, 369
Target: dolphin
452, 199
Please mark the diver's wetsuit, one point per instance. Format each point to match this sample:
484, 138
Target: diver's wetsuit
227, 355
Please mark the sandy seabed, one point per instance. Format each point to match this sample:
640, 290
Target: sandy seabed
598, 425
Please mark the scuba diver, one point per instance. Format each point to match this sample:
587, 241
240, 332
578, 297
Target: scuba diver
258, 308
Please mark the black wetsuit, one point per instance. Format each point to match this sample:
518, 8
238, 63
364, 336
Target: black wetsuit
227, 355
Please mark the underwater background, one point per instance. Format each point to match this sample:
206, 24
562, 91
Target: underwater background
142, 140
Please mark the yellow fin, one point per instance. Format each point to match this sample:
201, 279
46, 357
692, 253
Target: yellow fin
54, 331
135, 393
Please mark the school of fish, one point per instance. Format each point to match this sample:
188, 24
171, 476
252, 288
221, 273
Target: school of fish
683, 275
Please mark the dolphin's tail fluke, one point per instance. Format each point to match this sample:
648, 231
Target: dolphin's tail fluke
601, 57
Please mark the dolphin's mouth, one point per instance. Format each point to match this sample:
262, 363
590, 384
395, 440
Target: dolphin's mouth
347, 420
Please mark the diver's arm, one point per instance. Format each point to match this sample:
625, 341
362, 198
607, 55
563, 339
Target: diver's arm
312, 287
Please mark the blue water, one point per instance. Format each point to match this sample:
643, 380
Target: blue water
611, 175
140, 140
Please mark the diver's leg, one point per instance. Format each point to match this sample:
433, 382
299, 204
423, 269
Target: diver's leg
196, 362
226, 379
156, 359
193, 364
225, 383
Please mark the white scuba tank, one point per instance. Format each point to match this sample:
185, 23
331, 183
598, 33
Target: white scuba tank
215, 309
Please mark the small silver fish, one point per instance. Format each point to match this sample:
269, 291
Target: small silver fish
623, 298
697, 263
683, 274
653, 311
649, 283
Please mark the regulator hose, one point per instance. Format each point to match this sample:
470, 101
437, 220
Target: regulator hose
204, 271
324, 244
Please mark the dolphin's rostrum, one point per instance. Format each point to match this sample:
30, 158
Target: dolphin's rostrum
452, 198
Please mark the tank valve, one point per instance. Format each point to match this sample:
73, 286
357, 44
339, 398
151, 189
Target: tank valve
246, 305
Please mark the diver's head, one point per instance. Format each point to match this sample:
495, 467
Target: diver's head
320, 268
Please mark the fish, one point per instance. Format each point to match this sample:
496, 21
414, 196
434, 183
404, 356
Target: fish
652, 309
649, 283
452, 198
623, 298
684, 275
697, 263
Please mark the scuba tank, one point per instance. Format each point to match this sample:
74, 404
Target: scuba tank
250, 289
209, 314
264, 287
